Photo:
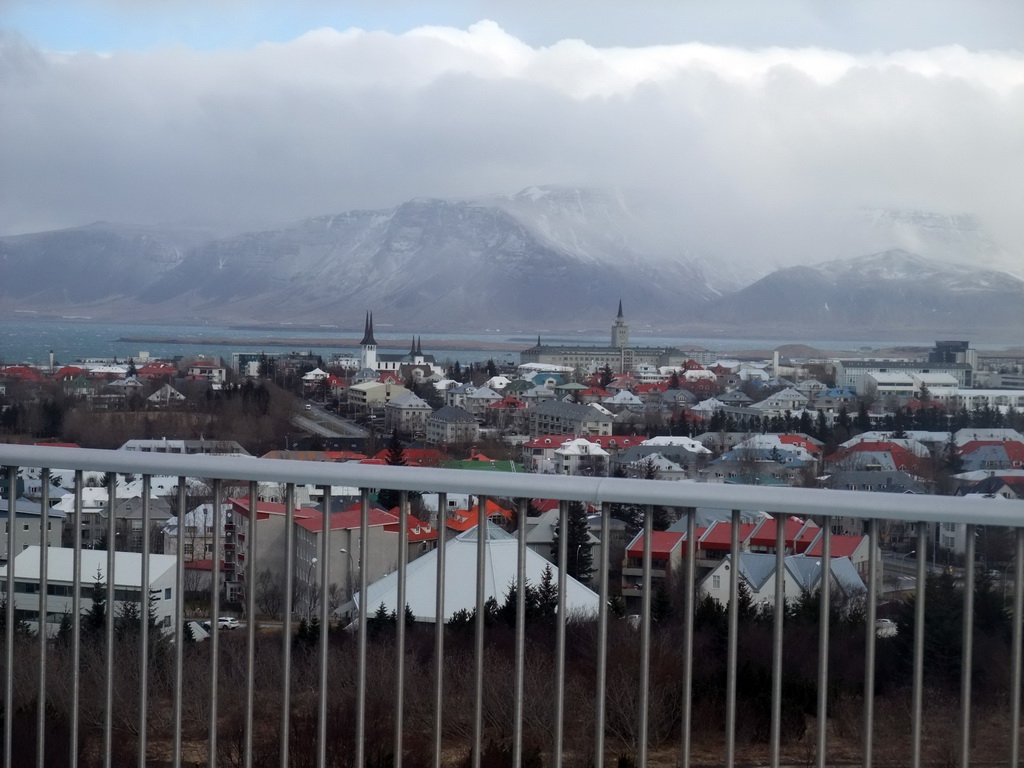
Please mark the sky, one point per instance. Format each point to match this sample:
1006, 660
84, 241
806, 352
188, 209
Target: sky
757, 126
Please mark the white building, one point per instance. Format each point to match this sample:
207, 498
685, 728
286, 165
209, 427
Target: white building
60, 575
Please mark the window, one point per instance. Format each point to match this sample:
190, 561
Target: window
716, 582
167, 593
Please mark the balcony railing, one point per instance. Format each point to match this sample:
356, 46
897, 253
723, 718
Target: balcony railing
559, 689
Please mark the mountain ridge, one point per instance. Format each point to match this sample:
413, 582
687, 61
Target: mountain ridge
544, 254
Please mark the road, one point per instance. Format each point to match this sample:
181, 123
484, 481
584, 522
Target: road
319, 421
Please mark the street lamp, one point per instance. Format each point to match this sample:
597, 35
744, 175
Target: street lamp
904, 556
902, 561
309, 589
351, 568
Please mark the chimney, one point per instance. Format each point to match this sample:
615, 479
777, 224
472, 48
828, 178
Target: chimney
51, 361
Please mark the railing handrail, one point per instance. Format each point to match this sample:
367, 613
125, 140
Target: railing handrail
595, 490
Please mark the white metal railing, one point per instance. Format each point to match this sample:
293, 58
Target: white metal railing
30, 656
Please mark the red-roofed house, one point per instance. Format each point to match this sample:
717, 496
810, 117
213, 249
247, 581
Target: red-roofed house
539, 453
157, 370
416, 457
462, 520
857, 548
666, 559
763, 537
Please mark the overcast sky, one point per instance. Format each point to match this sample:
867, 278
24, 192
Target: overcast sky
753, 121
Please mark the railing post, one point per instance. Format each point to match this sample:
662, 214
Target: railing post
286, 619
439, 624
917, 690
325, 623
824, 610
522, 511
733, 642
179, 630
778, 634
688, 627
560, 621
145, 603
12, 544
602, 638
251, 574
478, 644
76, 622
645, 637
869, 647
44, 630
215, 573
400, 607
1017, 617
967, 654
108, 725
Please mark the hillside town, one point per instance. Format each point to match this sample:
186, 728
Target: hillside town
940, 425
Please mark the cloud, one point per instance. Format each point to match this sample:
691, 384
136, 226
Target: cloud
748, 152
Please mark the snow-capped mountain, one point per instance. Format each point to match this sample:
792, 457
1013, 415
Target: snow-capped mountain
936, 235
543, 257
888, 291
544, 254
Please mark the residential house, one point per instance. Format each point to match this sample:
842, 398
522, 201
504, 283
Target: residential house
451, 425
407, 413
460, 579
60, 576
803, 575
28, 518
562, 418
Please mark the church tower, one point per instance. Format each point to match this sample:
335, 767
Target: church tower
368, 346
620, 331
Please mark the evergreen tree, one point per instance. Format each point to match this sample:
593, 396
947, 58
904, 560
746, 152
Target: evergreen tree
387, 498
547, 595
95, 619
578, 547
863, 419
606, 376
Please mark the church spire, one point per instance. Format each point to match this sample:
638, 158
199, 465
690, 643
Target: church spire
368, 332
419, 346
620, 308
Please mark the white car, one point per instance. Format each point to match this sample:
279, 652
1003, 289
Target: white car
227, 622
886, 628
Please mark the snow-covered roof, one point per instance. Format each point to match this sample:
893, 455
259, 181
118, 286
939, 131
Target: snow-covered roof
60, 566
679, 441
460, 578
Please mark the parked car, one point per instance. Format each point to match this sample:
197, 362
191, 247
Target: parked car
886, 628
227, 622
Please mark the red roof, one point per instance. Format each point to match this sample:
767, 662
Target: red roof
658, 386
21, 372
204, 565
901, 456
842, 546
594, 392
764, 536
507, 403
348, 519
662, 544
344, 455
801, 441
547, 441
417, 529
265, 509
69, 371
1014, 448
617, 441
464, 519
415, 457
719, 535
